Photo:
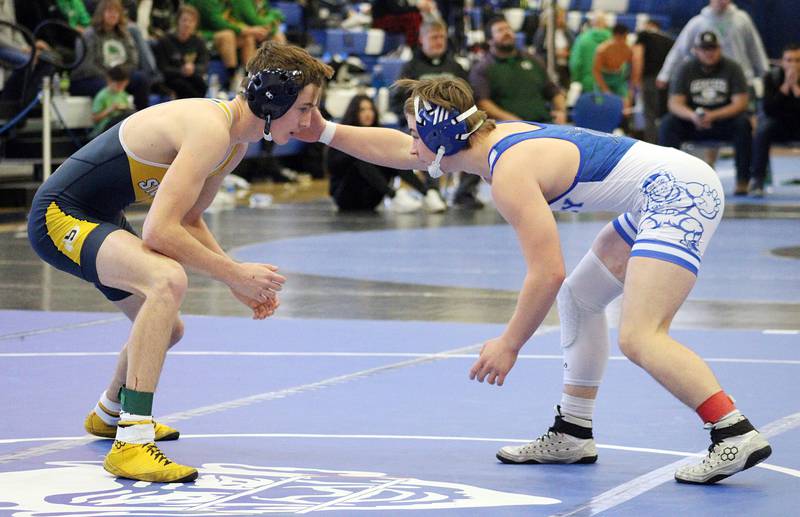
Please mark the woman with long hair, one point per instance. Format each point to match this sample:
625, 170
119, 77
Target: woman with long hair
109, 44
359, 185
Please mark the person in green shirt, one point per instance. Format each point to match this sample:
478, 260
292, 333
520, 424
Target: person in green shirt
513, 85
228, 35
258, 13
112, 103
581, 59
75, 12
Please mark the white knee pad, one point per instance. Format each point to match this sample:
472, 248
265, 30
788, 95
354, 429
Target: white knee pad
582, 301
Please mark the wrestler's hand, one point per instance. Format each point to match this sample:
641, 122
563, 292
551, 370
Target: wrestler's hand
261, 310
259, 282
314, 130
496, 359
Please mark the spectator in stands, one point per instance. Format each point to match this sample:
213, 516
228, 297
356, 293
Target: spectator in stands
433, 59
358, 185
513, 85
111, 104
182, 56
708, 99
564, 39
129, 6
108, 44
780, 117
649, 52
403, 16
157, 18
74, 13
228, 36
612, 64
738, 37
24, 82
258, 13
581, 58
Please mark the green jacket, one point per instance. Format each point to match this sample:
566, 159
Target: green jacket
75, 12
212, 16
256, 13
581, 58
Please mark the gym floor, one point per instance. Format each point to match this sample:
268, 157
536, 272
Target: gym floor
355, 396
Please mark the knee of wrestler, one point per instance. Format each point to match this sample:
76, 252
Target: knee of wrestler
177, 332
631, 343
168, 281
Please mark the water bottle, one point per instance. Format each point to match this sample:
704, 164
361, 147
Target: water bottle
56, 85
65, 84
258, 200
213, 86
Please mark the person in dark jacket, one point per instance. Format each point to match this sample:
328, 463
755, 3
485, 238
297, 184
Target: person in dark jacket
780, 117
357, 185
182, 56
403, 17
649, 52
432, 59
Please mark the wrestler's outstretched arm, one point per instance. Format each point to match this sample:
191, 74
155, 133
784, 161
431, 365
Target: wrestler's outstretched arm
519, 199
378, 145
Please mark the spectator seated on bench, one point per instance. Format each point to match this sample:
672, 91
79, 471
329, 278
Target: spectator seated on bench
708, 100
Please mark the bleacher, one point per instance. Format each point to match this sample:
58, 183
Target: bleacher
375, 48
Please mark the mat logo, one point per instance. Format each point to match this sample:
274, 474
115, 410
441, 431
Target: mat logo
150, 186
84, 488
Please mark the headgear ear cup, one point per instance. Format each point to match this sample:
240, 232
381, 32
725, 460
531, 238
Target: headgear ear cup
443, 131
271, 92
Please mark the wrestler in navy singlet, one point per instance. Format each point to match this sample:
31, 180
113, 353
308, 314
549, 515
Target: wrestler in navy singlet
84, 199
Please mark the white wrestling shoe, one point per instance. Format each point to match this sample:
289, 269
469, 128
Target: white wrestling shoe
403, 202
736, 446
570, 440
433, 202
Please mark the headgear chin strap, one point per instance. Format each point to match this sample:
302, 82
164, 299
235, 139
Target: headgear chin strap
271, 92
443, 131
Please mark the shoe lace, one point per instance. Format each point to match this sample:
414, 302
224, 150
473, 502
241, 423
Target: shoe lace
542, 440
717, 438
156, 453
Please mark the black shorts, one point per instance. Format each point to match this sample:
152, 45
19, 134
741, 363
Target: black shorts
68, 234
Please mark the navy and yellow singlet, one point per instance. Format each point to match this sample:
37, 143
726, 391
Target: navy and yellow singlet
83, 201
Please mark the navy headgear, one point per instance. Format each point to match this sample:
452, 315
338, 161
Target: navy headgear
271, 92
443, 131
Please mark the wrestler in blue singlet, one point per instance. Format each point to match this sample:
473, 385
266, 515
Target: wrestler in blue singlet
671, 202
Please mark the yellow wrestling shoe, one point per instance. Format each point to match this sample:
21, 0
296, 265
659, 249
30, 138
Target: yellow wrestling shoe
96, 426
145, 462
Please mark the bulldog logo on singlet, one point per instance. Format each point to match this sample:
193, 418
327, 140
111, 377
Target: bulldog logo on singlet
150, 185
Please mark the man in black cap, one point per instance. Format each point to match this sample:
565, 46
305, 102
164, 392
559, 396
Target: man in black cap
708, 100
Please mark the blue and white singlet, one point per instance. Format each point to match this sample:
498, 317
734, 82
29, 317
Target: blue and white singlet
671, 202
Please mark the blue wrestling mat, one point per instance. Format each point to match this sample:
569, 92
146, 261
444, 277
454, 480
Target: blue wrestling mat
295, 416
488, 257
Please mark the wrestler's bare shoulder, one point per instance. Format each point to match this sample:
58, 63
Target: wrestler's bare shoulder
510, 128
156, 133
552, 162
177, 113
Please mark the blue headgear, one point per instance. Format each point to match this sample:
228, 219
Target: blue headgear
443, 131
271, 92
